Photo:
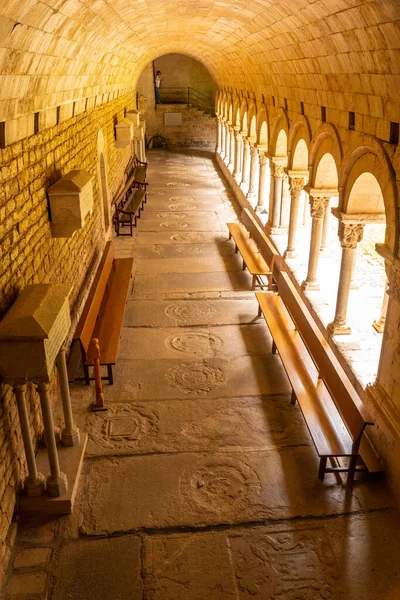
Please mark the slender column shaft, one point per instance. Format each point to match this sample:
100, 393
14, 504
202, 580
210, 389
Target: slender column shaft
223, 140
285, 208
277, 195
305, 213
70, 434
237, 173
318, 206
262, 181
34, 483
379, 324
231, 164
245, 164
350, 234
57, 481
325, 231
227, 144
253, 172
219, 128
296, 186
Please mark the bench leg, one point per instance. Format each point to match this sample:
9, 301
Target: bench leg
230, 236
352, 468
86, 374
293, 398
243, 265
253, 283
259, 312
273, 347
322, 467
110, 374
236, 249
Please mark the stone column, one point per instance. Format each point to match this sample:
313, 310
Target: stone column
350, 234
237, 173
253, 171
296, 185
57, 481
223, 140
325, 231
246, 164
285, 208
379, 324
227, 144
318, 205
70, 433
262, 181
34, 485
219, 136
277, 183
231, 164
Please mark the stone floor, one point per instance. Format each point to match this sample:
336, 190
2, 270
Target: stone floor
200, 482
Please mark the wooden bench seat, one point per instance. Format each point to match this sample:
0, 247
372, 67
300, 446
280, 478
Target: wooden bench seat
332, 409
102, 316
129, 210
256, 249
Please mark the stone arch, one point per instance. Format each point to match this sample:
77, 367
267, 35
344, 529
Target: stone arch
236, 113
102, 179
262, 128
279, 135
299, 143
325, 158
367, 169
244, 123
252, 121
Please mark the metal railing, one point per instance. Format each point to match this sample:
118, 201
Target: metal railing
188, 96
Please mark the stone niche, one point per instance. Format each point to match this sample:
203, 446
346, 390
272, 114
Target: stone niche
123, 133
33, 330
71, 199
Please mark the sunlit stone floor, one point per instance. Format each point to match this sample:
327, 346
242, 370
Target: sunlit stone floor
200, 482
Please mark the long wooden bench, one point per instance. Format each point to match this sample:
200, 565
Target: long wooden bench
129, 205
257, 251
334, 413
102, 316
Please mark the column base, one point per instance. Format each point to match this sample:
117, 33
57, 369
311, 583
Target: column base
324, 252
279, 230
310, 285
379, 325
34, 488
244, 183
70, 438
57, 486
335, 329
290, 254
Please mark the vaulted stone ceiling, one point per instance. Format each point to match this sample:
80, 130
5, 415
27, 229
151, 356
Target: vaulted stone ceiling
337, 53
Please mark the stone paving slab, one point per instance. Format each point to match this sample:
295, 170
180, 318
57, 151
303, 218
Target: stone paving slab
172, 426
190, 264
178, 204
195, 490
186, 313
184, 237
191, 344
187, 282
186, 224
99, 569
183, 251
307, 560
208, 378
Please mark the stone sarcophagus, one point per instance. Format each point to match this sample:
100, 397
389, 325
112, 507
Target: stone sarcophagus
134, 117
123, 133
71, 200
33, 331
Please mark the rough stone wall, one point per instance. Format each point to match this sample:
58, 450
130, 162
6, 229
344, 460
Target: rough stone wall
29, 254
198, 130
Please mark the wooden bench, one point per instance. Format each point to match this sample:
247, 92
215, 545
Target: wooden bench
129, 205
102, 316
257, 251
335, 416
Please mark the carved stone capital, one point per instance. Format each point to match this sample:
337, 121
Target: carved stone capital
277, 171
262, 160
393, 275
350, 234
253, 152
296, 185
318, 206
239, 137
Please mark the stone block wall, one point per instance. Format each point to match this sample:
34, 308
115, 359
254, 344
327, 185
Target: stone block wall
29, 253
198, 130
